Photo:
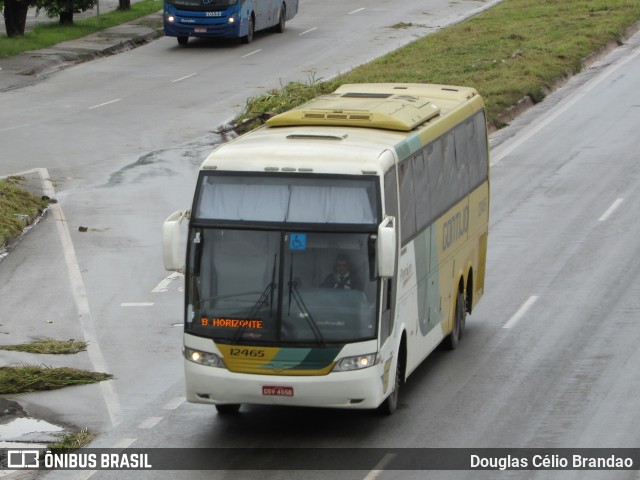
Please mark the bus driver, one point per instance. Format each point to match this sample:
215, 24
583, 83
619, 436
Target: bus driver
341, 276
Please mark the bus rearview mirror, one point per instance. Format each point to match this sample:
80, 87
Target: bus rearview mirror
173, 261
386, 251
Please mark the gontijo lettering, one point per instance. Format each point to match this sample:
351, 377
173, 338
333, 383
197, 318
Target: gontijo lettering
455, 227
231, 323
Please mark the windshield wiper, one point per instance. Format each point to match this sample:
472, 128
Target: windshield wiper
293, 288
267, 294
295, 294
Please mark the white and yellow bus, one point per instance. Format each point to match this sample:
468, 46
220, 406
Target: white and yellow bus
391, 180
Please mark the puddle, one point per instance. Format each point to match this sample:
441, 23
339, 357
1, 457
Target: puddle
25, 428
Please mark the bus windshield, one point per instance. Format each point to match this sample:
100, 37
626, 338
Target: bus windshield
209, 4
288, 199
281, 286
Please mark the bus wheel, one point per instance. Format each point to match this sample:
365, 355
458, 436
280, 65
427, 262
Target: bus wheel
283, 16
183, 40
390, 404
228, 408
248, 38
459, 322
463, 315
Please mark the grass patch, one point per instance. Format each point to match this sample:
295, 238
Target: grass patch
47, 35
49, 346
16, 204
72, 441
517, 48
33, 378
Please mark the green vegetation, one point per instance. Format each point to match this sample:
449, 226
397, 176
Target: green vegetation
33, 378
47, 35
72, 441
516, 49
49, 346
17, 207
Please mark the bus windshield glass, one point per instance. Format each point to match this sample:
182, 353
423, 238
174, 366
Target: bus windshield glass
288, 199
281, 286
215, 4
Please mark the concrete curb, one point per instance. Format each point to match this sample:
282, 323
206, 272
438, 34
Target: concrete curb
32, 183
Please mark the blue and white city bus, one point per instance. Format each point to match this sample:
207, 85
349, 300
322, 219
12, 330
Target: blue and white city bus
225, 18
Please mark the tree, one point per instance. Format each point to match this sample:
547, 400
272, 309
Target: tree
124, 5
15, 16
64, 8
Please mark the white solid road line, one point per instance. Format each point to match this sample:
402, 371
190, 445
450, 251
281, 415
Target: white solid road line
520, 313
610, 210
174, 403
307, 31
183, 78
251, 53
79, 293
105, 103
379, 468
150, 422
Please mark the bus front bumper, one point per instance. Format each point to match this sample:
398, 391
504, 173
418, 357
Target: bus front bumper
357, 389
186, 30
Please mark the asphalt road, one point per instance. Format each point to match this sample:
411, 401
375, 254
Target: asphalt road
118, 142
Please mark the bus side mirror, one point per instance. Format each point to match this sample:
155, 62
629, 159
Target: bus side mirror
173, 261
386, 248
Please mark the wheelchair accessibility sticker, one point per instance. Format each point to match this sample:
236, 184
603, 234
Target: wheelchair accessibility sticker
297, 241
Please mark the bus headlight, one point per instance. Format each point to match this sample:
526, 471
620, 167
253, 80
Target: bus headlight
355, 363
203, 358
170, 18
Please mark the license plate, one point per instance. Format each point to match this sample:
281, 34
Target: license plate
277, 391
200, 30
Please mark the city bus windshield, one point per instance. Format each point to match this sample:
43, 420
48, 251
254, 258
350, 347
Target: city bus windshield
321, 291
208, 4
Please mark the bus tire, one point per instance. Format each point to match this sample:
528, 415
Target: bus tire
459, 321
183, 40
283, 18
228, 408
248, 38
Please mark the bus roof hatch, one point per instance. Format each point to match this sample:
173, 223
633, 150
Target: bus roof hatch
391, 111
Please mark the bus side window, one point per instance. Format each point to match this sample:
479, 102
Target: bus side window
390, 193
475, 177
407, 201
450, 171
462, 160
421, 190
435, 167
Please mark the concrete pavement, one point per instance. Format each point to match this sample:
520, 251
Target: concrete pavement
30, 67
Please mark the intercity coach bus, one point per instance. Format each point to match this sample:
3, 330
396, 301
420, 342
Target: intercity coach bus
225, 18
389, 180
